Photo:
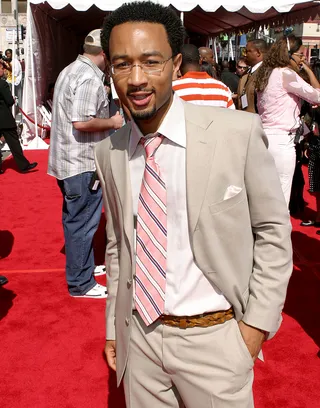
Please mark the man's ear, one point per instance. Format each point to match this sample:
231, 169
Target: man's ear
177, 60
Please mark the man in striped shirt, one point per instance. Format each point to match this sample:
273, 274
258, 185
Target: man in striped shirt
198, 87
80, 119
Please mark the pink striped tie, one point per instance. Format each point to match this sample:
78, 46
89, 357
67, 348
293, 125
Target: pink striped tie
151, 248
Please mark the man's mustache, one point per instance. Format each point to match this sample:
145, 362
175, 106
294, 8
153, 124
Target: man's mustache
140, 89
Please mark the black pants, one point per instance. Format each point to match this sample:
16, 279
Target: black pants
12, 139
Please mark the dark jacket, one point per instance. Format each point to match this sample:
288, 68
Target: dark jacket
230, 79
6, 101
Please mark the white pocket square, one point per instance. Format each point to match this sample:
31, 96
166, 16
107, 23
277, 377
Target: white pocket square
231, 191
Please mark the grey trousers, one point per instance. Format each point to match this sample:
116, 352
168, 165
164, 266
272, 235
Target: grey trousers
169, 367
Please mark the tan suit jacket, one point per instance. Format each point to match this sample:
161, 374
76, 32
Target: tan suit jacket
247, 84
242, 244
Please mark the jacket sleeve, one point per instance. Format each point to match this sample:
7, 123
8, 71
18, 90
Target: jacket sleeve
272, 260
6, 94
112, 249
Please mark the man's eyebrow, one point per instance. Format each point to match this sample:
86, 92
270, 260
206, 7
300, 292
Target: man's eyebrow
119, 56
153, 53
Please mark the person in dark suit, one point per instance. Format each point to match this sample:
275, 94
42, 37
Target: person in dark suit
8, 127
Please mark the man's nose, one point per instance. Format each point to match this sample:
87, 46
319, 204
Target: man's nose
137, 76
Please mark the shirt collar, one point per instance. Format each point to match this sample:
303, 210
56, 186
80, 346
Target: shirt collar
255, 67
196, 75
173, 127
96, 69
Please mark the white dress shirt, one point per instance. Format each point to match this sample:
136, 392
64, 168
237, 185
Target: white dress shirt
255, 67
188, 291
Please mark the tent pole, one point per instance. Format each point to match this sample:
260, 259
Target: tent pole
17, 24
25, 93
32, 75
231, 49
13, 62
13, 67
215, 49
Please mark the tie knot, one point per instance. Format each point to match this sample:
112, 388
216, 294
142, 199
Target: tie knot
151, 144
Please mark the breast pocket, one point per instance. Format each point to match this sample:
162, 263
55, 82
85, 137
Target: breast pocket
225, 205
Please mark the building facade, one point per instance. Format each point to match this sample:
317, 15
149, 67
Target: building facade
8, 23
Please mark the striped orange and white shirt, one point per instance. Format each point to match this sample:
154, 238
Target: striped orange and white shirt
201, 89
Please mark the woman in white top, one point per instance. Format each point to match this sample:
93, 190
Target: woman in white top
280, 89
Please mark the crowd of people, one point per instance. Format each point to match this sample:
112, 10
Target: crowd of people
276, 83
196, 199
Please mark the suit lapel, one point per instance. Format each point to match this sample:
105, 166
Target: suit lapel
200, 152
199, 159
121, 175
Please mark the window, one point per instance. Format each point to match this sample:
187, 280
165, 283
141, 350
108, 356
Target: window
6, 6
22, 6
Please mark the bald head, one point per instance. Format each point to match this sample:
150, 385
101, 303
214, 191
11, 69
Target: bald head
206, 55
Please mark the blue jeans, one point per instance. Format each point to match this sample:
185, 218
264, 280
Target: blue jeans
81, 214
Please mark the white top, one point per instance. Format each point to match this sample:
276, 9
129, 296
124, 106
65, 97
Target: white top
188, 291
279, 104
16, 72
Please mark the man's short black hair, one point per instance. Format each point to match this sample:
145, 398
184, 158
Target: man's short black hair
260, 45
147, 12
190, 54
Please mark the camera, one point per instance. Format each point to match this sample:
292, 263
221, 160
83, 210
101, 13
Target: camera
4, 58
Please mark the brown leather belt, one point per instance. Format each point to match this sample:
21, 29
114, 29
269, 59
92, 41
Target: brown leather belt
203, 320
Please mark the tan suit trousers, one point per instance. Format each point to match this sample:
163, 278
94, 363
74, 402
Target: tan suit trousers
169, 367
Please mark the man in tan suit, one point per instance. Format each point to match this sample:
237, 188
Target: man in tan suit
199, 252
255, 52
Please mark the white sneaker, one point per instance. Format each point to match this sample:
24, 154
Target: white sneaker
99, 270
97, 292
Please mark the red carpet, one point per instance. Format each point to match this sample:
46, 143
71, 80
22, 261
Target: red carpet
52, 344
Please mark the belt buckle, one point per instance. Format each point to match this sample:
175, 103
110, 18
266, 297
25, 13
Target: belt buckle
183, 323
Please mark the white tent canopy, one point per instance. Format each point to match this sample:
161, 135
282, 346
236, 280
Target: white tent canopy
254, 6
207, 17
56, 30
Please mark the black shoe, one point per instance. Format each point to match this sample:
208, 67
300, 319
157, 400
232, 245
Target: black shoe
30, 166
310, 223
1, 171
3, 280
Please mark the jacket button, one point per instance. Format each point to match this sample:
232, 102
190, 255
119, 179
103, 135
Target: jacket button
127, 321
129, 282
